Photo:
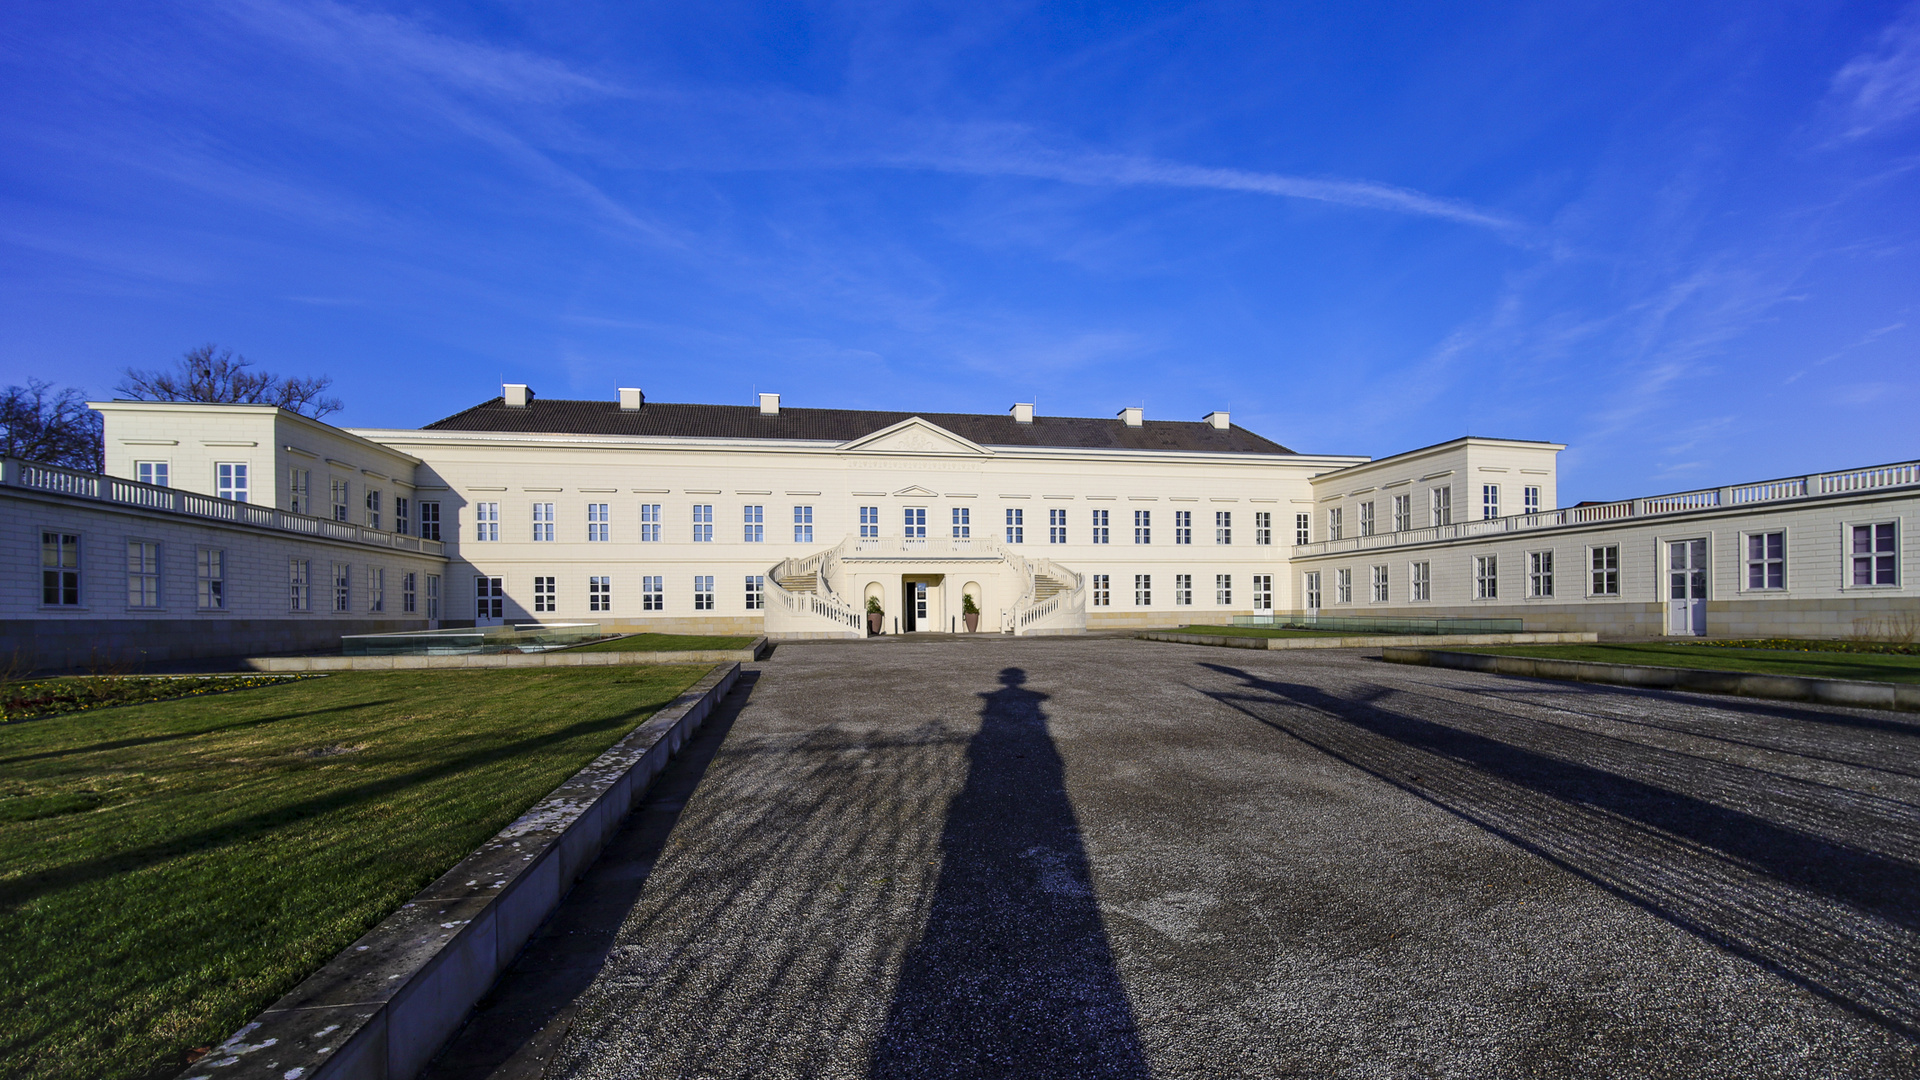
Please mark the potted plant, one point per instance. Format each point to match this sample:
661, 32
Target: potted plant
971, 612
876, 618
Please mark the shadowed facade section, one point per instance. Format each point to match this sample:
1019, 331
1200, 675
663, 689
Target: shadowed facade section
1014, 975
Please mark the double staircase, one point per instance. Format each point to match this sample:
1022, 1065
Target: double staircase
802, 601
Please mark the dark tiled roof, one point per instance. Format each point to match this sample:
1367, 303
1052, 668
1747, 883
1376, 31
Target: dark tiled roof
843, 425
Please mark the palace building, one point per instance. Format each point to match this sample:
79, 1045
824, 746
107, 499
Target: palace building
220, 529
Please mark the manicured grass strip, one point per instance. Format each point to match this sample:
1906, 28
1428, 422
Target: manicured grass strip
51, 697
665, 643
1819, 665
167, 870
1261, 631
1805, 645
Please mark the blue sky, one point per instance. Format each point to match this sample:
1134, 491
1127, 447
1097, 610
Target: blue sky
1679, 237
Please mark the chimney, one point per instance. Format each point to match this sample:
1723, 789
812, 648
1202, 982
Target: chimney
769, 404
1022, 414
1217, 420
516, 394
1133, 415
631, 398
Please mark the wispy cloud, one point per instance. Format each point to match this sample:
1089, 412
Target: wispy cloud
1881, 87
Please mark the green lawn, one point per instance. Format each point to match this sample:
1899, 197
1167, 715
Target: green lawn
29, 698
665, 643
1260, 631
169, 869
1821, 665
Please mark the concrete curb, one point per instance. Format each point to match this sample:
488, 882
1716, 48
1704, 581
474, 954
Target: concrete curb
566, 658
1859, 694
384, 1006
1368, 641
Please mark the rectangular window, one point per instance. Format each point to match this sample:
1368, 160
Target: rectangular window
755, 527
376, 588
1056, 526
1402, 513
429, 520
1443, 506
1420, 581
703, 592
962, 522
1310, 589
1604, 562
1223, 526
1334, 523
1366, 519
340, 504
1378, 582
151, 472
1016, 525
1303, 528
1143, 526
803, 524
1486, 577
546, 595
409, 593
1263, 527
143, 574
1875, 554
1142, 590
299, 497
1183, 589
1489, 501
1102, 592
230, 480
703, 523
1767, 560
653, 593
869, 523
402, 516
1343, 586
542, 522
599, 515
914, 522
1183, 526
600, 593
299, 585
1530, 499
1100, 531
1539, 573
373, 508
210, 577
1223, 589
486, 521
649, 523
433, 596
343, 587
1263, 592
756, 592
490, 597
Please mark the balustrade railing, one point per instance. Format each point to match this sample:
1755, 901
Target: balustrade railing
37, 476
1835, 483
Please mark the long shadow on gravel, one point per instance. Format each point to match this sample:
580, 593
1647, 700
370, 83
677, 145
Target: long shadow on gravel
1014, 975
1815, 883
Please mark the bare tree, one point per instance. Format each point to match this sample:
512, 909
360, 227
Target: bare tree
59, 429
207, 374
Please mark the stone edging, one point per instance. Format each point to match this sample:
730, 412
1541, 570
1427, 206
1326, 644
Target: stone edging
557, 658
1860, 694
1368, 641
384, 1006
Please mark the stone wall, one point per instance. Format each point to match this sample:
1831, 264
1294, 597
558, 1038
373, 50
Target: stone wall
125, 643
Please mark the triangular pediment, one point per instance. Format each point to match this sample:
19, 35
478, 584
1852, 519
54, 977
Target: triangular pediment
915, 436
916, 492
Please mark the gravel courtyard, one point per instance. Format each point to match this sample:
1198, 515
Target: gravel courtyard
1106, 857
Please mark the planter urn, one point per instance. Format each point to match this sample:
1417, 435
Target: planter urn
973, 622
874, 621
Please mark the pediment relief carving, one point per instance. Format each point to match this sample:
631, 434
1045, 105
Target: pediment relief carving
916, 436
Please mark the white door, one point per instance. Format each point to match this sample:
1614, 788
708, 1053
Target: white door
1687, 587
920, 607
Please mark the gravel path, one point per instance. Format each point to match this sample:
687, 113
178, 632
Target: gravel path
1061, 857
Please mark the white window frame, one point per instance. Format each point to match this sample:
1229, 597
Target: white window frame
599, 522
1223, 590
1183, 590
299, 490
1335, 523
1540, 584
299, 584
429, 519
1310, 593
1765, 562
962, 521
1143, 590
1378, 589
373, 508
1603, 570
653, 592
486, 522
543, 523
756, 592
341, 491
913, 522
152, 472
869, 523
703, 523
1223, 526
1263, 528
1402, 513
1143, 526
546, 594
1101, 526
753, 520
342, 588
143, 574
1302, 528
1343, 586
650, 522
1016, 525
1442, 505
489, 596
599, 592
1489, 502
803, 524
1419, 582
1530, 499
1056, 525
1366, 518
1486, 577
1183, 526
409, 592
376, 588
1102, 590
703, 598
1263, 592
210, 578
230, 480
402, 515
433, 596
1875, 559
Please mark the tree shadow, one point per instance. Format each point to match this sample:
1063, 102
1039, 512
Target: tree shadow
1014, 974
1815, 883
